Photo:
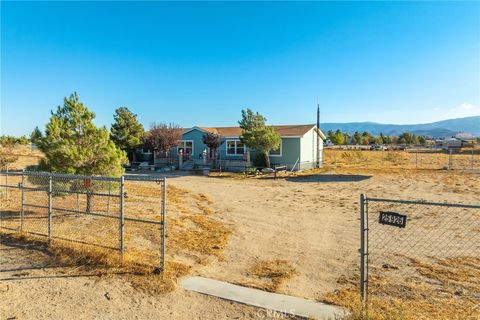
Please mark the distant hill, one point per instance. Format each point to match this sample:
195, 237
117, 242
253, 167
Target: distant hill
445, 128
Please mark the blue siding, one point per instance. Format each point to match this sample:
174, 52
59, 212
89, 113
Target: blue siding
198, 146
290, 149
290, 152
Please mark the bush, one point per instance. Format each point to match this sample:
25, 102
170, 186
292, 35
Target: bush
392, 157
354, 156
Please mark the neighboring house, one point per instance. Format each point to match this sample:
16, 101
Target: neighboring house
298, 149
468, 139
448, 143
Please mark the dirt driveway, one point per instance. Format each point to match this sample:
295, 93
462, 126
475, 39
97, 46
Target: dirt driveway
310, 222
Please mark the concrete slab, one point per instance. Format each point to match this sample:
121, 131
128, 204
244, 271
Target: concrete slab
267, 300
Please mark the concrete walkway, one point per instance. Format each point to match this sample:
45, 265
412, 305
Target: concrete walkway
271, 301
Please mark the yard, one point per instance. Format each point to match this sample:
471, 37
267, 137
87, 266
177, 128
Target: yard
297, 235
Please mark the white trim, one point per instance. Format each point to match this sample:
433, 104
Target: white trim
183, 141
234, 154
277, 155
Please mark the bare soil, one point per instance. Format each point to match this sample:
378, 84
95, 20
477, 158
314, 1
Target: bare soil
297, 235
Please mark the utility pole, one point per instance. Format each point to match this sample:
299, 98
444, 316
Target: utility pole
318, 135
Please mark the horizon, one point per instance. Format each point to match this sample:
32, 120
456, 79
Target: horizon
200, 64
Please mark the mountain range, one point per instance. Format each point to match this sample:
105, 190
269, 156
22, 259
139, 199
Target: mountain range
444, 128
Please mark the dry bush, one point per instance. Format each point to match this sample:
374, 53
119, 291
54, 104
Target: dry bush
269, 275
354, 156
393, 157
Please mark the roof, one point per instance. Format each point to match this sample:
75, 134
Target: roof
283, 131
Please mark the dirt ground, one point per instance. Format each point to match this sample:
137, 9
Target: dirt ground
310, 222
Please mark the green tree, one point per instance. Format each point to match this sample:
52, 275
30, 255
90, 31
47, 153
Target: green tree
73, 144
330, 135
422, 140
387, 140
382, 138
257, 135
406, 138
357, 137
126, 132
337, 137
36, 135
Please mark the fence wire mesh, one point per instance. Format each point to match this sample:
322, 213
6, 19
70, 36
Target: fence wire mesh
144, 217
468, 160
421, 251
126, 213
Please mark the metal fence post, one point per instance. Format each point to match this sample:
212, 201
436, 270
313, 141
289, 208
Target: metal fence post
164, 223
450, 160
363, 279
6, 182
22, 210
122, 219
50, 207
472, 158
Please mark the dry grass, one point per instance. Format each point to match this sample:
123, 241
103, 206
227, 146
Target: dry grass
381, 160
24, 155
269, 275
78, 259
194, 235
198, 236
446, 289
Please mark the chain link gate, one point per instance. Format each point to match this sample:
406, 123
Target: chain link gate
125, 214
415, 250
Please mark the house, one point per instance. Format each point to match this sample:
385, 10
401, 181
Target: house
298, 148
448, 143
468, 139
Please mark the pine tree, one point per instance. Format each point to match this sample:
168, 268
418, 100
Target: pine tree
73, 144
127, 132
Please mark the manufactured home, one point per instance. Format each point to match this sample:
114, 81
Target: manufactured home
297, 151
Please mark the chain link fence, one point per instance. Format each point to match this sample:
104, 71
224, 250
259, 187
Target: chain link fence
422, 159
421, 251
121, 214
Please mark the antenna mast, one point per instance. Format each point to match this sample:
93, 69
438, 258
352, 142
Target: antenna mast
318, 135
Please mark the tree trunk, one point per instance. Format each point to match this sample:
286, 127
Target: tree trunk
267, 159
134, 155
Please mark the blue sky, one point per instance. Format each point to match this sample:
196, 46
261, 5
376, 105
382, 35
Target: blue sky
201, 63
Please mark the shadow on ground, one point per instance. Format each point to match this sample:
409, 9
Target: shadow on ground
27, 256
329, 178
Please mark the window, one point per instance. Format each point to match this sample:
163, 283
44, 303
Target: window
186, 146
235, 147
277, 152
240, 147
231, 147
